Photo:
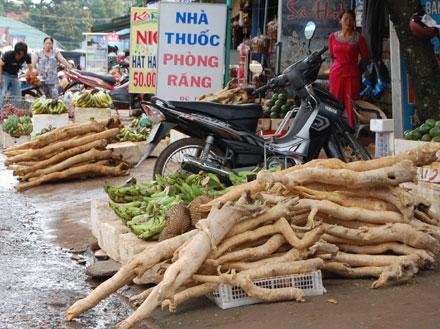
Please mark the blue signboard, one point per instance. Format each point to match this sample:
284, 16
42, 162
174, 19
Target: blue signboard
432, 8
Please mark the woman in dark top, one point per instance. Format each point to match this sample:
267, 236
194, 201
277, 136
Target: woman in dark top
10, 64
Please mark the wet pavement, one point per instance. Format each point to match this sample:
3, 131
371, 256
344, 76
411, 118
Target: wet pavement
38, 279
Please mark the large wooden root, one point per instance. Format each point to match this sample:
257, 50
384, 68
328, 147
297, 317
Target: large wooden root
383, 248
210, 233
400, 271
89, 169
338, 197
397, 232
359, 260
41, 153
421, 156
403, 201
92, 155
69, 132
351, 213
281, 226
402, 172
135, 268
269, 270
293, 255
99, 144
268, 248
283, 209
139, 298
187, 294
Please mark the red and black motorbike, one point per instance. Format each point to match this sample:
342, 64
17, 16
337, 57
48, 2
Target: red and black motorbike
118, 89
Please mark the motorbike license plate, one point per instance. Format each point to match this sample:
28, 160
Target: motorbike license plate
153, 133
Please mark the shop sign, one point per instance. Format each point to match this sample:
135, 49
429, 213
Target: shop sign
432, 8
143, 50
191, 50
294, 16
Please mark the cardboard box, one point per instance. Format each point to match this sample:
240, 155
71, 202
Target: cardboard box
264, 124
275, 123
382, 125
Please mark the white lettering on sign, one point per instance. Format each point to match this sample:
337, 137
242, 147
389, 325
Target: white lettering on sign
432, 7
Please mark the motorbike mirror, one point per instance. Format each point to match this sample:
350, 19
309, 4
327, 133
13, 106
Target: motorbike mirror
309, 30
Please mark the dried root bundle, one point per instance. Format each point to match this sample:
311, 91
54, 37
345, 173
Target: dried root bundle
70, 152
352, 220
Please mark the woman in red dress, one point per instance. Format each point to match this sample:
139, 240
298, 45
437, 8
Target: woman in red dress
346, 46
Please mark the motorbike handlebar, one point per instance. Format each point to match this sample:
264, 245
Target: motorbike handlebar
322, 51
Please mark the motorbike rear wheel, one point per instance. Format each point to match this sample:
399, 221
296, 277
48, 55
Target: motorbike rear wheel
169, 161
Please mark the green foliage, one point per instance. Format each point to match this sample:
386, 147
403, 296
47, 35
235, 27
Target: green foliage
66, 20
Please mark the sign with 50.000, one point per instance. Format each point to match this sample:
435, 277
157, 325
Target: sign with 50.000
143, 50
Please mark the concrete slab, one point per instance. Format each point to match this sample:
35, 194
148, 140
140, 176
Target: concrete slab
100, 211
8, 141
132, 152
130, 245
109, 241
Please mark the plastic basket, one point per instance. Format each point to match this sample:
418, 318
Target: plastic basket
227, 296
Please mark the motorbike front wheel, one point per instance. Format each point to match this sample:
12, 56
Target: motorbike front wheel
170, 160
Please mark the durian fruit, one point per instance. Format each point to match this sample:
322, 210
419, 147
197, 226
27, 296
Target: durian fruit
178, 221
194, 208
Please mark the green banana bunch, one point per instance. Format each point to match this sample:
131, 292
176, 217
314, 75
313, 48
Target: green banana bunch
128, 210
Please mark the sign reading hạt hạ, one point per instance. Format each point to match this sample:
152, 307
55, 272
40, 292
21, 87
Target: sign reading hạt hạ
143, 50
191, 50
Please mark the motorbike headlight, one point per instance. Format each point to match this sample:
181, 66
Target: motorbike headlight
153, 114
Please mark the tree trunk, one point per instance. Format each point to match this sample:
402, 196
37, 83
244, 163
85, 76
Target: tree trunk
423, 69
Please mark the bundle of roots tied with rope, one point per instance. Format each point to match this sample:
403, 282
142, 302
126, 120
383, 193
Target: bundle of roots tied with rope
349, 219
73, 151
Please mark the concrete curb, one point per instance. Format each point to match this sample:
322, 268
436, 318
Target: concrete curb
113, 236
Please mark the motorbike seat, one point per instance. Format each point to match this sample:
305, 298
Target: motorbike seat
222, 111
104, 77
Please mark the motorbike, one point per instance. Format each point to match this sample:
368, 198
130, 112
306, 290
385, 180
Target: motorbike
29, 89
223, 138
118, 90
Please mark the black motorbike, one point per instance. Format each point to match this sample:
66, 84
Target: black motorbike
223, 137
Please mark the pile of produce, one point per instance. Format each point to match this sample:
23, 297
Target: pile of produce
429, 131
230, 95
97, 99
18, 126
349, 219
49, 106
9, 109
45, 131
137, 132
278, 106
144, 207
73, 151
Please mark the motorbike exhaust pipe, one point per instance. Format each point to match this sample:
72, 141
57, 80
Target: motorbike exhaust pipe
195, 165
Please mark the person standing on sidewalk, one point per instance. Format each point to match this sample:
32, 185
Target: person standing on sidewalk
346, 46
10, 64
47, 60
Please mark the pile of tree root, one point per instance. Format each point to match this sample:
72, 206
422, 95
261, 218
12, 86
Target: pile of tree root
353, 220
69, 152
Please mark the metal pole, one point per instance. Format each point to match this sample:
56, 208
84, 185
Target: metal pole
228, 40
266, 4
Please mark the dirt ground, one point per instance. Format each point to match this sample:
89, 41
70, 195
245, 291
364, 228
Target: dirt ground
38, 280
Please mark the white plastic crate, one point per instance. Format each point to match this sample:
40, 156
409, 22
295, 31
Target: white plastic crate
227, 296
